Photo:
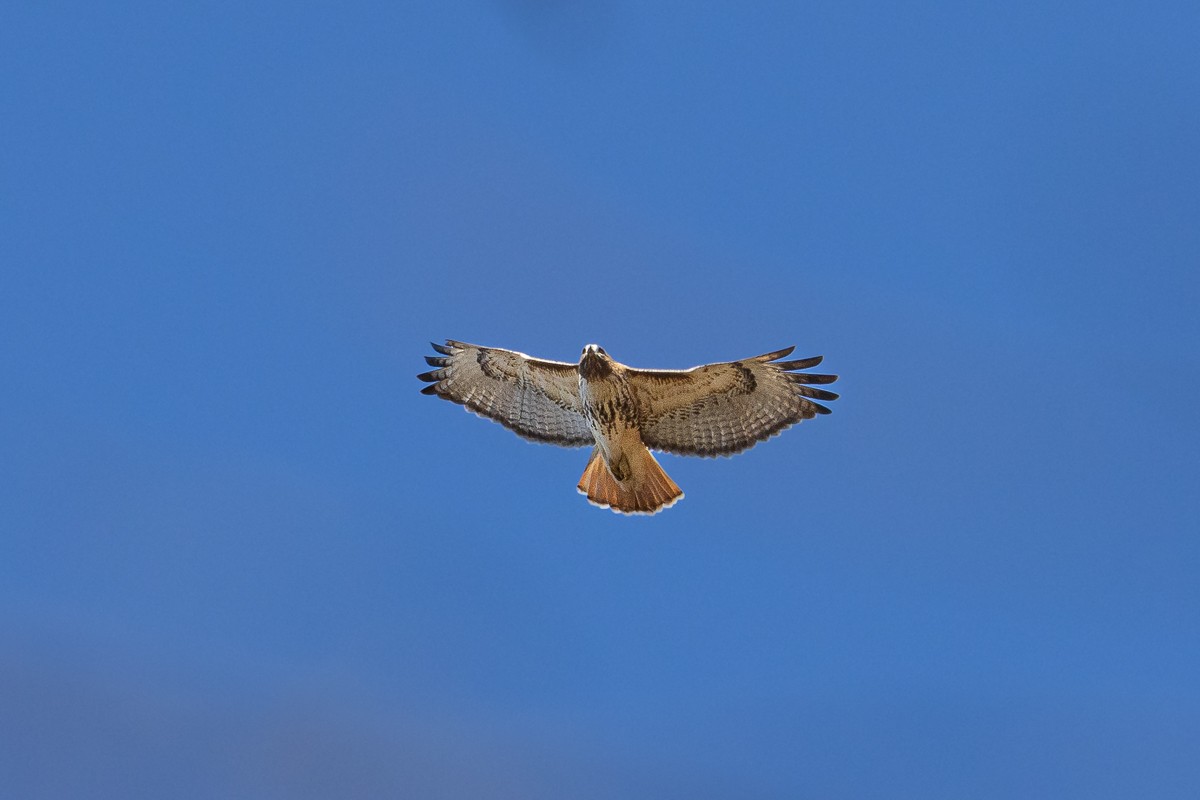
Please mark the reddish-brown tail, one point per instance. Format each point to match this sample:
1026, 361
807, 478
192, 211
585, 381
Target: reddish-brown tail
647, 490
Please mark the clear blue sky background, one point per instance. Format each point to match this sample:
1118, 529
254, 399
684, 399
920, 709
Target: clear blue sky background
241, 556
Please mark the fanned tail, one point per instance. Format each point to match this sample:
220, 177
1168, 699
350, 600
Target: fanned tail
647, 490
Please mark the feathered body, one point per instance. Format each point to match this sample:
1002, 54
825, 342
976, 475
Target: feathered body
634, 481
715, 409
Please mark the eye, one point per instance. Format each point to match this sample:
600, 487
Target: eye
601, 351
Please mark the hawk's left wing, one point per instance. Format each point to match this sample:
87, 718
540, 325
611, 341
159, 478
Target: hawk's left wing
722, 409
533, 398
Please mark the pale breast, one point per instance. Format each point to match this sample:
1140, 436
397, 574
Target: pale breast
608, 403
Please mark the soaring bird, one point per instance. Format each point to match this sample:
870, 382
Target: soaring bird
623, 413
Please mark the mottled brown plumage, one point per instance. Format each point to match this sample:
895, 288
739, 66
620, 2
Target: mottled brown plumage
715, 409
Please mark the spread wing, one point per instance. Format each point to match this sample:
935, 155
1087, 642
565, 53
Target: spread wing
536, 399
721, 409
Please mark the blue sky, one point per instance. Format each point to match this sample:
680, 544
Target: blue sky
242, 556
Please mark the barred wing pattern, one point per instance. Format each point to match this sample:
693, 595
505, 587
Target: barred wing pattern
722, 409
536, 399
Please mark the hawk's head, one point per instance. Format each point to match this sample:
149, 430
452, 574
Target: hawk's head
594, 362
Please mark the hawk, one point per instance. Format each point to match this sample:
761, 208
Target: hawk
623, 413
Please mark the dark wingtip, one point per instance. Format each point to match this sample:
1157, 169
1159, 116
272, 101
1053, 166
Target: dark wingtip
429, 377
810, 377
437, 361
820, 409
803, 363
778, 354
441, 348
818, 394
430, 389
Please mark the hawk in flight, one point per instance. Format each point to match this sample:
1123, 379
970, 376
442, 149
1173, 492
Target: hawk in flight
623, 413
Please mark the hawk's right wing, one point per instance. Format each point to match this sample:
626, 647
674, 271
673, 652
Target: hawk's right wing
536, 399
